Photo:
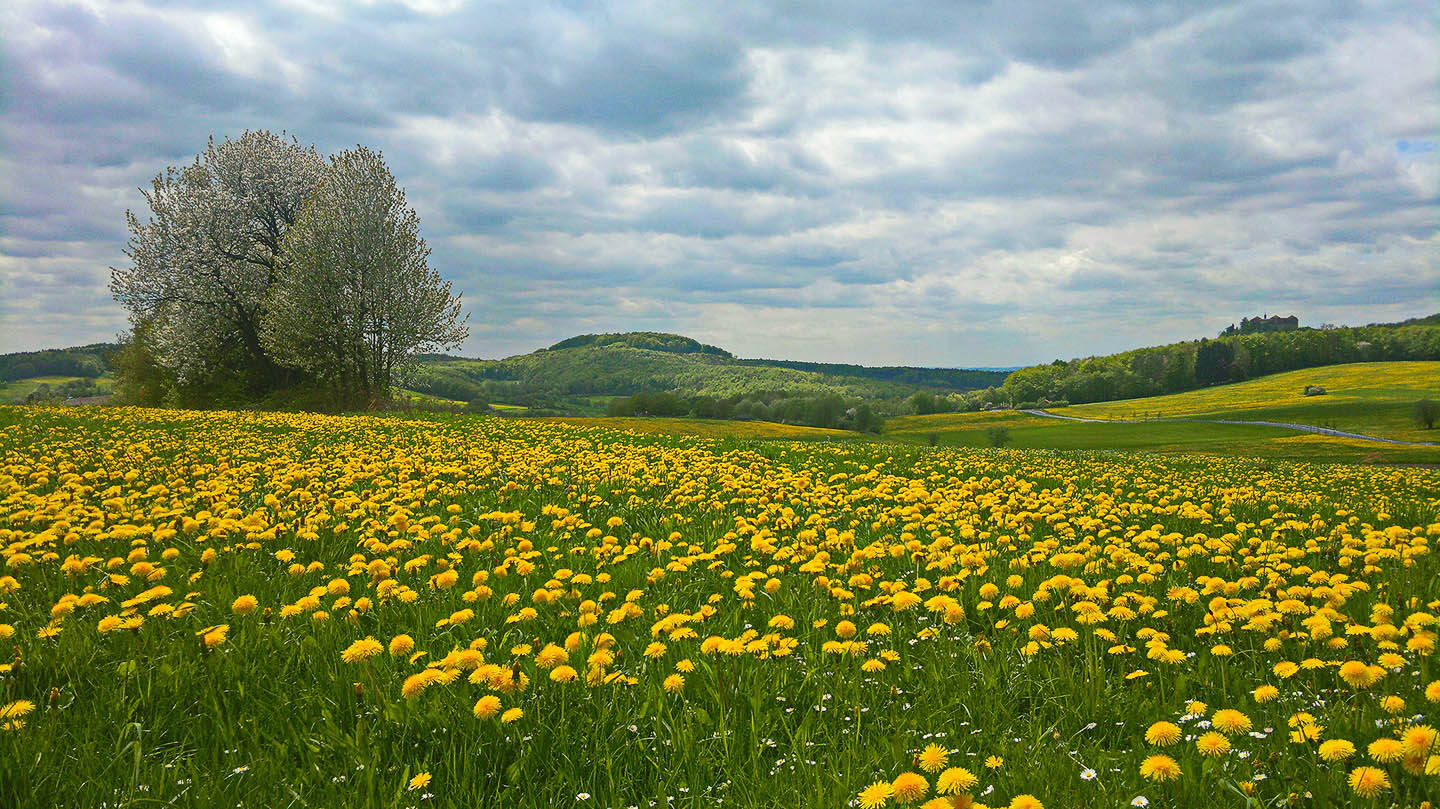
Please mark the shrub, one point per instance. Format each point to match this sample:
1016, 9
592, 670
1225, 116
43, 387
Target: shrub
1426, 413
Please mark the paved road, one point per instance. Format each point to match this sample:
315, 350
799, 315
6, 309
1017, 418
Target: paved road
1304, 428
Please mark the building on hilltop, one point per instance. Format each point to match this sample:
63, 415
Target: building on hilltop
1263, 323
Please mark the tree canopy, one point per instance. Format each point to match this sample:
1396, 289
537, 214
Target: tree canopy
357, 298
229, 306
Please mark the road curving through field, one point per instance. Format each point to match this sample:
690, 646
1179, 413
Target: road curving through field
1305, 428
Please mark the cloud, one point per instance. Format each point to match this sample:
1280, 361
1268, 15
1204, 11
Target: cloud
948, 184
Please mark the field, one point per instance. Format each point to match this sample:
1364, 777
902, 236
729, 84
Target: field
1367, 398
715, 428
1373, 398
18, 389
280, 610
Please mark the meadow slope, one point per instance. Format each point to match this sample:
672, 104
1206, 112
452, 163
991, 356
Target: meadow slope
1367, 398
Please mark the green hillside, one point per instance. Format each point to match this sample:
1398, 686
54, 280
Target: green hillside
1178, 367
53, 387
628, 364
1373, 399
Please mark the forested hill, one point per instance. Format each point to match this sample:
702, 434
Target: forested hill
648, 362
650, 340
87, 361
1185, 366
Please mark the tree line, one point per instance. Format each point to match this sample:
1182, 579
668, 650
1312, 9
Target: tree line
941, 378
85, 361
266, 272
829, 410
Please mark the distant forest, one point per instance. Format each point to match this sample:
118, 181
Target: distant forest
88, 361
1197, 364
941, 378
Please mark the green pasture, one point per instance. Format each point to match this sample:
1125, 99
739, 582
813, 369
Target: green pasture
18, 389
1375, 398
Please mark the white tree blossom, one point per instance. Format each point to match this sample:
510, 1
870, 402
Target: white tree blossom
357, 298
205, 260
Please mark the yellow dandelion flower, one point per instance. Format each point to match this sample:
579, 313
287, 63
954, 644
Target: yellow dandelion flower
244, 605
955, 780
14, 710
1163, 734
1333, 750
487, 706
909, 787
673, 683
875, 795
401, 645
1418, 740
512, 715
933, 758
1024, 801
1230, 721
362, 650
1265, 693
1355, 673
214, 636
1159, 767
1386, 750
551, 656
1213, 744
1367, 782
420, 781
416, 684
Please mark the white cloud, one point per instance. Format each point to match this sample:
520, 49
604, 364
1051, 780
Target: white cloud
952, 186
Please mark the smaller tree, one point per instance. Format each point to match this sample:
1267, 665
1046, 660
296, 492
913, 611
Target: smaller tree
922, 403
359, 299
1426, 413
998, 436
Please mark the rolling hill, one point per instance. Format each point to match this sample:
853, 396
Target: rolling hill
626, 364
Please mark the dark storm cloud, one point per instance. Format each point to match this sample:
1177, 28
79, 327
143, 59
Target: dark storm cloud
977, 183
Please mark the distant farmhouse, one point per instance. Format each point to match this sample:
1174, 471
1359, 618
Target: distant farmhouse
1264, 323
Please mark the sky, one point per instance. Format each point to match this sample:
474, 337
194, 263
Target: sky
939, 183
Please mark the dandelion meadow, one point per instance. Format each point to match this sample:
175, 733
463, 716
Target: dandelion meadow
238, 609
